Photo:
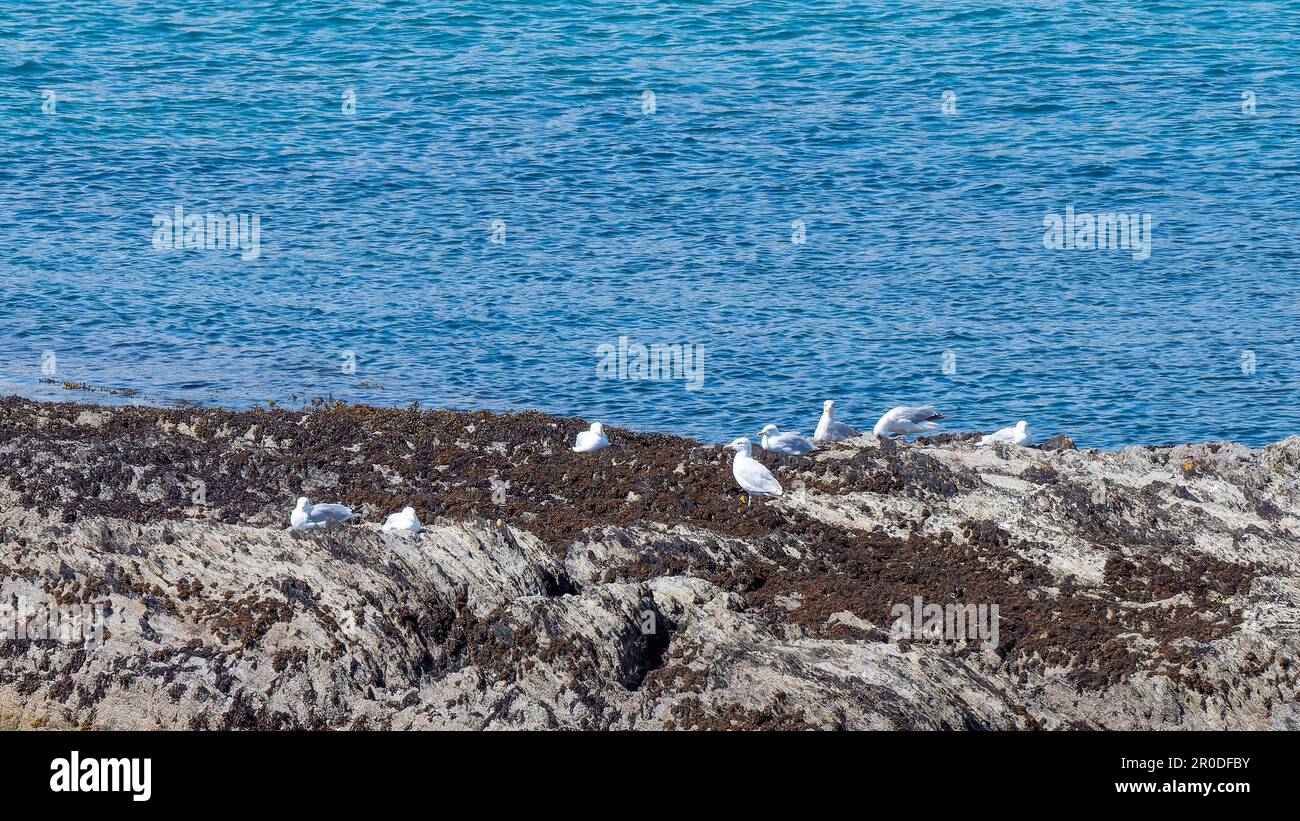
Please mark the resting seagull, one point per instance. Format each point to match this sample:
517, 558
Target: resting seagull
405, 519
591, 440
306, 515
828, 430
908, 421
750, 473
1018, 435
791, 443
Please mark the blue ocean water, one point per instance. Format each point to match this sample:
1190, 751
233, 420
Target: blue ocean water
840, 200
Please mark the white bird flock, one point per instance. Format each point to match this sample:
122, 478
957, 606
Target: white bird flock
752, 476
897, 423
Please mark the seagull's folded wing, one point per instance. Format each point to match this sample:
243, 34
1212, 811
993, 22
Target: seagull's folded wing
758, 479
920, 413
796, 443
336, 512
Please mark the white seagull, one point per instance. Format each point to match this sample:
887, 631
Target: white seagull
750, 473
791, 443
592, 440
1018, 435
306, 515
907, 421
828, 430
404, 519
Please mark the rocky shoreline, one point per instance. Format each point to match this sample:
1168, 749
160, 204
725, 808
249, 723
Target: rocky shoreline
633, 588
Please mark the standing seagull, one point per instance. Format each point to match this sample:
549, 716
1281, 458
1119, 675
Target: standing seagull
750, 473
306, 515
405, 519
1018, 435
592, 440
791, 443
907, 421
828, 430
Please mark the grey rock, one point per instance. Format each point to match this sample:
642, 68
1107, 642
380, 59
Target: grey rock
1146, 588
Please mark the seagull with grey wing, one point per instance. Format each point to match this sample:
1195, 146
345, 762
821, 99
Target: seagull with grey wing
828, 430
307, 516
906, 420
774, 440
751, 475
